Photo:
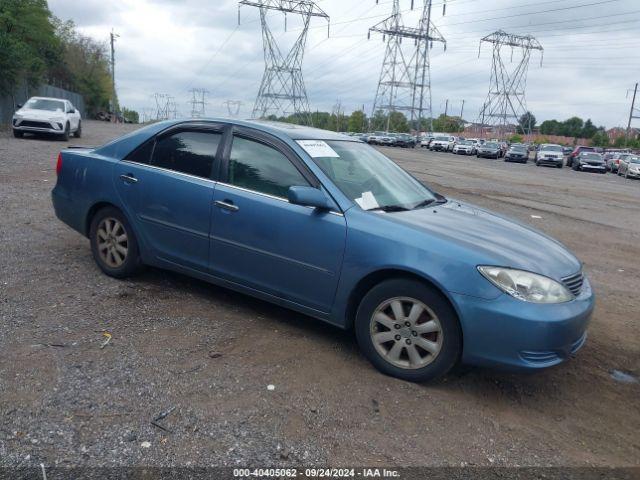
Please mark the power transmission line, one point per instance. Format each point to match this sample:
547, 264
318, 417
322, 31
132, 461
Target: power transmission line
405, 80
505, 101
198, 102
282, 89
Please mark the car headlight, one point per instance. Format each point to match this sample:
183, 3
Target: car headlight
526, 286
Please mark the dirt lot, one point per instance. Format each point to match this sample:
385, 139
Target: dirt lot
211, 353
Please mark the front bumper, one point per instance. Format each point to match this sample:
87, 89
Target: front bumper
631, 173
38, 126
593, 168
513, 158
550, 161
514, 335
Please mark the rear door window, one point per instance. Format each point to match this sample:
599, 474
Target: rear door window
187, 152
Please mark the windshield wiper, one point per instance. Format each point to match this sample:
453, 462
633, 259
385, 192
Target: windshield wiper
389, 208
439, 200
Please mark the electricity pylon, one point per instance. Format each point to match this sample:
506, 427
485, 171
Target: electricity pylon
505, 102
198, 102
405, 78
233, 107
282, 90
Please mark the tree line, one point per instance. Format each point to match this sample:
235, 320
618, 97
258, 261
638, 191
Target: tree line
36, 47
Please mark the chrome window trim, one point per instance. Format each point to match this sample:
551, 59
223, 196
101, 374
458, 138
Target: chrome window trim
170, 171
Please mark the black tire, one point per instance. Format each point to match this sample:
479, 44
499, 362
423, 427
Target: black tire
78, 133
559, 165
451, 346
67, 132
18, 134
132, 261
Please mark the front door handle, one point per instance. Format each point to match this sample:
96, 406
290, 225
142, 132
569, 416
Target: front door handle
128, 178
227, 205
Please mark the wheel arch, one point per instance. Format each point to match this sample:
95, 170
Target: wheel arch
372, 279
95, 208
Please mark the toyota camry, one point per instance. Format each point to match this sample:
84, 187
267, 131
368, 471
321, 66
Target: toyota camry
328, 226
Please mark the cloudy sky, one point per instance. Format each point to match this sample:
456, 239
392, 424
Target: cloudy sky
591, 54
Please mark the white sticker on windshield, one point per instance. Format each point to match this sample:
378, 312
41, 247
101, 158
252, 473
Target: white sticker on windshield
318, 148
367, 201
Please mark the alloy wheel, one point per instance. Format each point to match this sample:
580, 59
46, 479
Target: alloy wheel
113, 242
406, 333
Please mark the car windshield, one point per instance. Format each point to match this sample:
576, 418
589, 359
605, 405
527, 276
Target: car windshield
43, 104
491, 145
519, 148
466, 142
442, 139
551, 148
371, 180
591, 156
634, 160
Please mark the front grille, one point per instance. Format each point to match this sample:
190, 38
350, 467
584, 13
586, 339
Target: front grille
31, 123
574, 283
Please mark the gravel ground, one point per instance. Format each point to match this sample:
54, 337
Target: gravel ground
212, 354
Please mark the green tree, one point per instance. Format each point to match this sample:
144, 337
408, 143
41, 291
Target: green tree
398, 122
445, 123
357, 121
515, 139
550, 127
526, 122
28, 44
589, 129
572, 127
130, 115
600, 139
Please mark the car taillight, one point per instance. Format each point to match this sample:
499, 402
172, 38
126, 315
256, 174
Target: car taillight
59, 164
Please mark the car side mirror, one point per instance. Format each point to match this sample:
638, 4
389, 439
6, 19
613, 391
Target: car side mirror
19, 106
72, 110
310, 197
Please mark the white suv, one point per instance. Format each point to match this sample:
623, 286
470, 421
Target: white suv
443, 143
47, 115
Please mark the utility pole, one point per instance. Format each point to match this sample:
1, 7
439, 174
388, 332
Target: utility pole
282, 88
114, 101
631, 114
446, 109
462, 110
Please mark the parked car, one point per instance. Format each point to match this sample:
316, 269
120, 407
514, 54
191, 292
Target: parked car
577, 151
517, 153
442, 143
55, 116
614, 162
328, 226
465, 147
567, 150
489, 150
589, 162
630, 167
405, 140
550, 154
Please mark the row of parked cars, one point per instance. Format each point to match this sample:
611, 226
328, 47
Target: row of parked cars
386, 139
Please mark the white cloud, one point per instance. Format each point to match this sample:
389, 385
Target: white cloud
167, 46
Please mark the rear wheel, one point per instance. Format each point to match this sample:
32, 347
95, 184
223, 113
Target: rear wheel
18, 134
78, 133
113, 243
408, 330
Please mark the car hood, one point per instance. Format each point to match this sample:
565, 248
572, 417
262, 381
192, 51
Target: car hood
492, 239
39, 114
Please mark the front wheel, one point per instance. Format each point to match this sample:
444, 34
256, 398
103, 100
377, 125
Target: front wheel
78, 133
18, 134
408, 330
113, 243
67, 132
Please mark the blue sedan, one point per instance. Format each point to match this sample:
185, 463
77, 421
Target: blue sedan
326, 225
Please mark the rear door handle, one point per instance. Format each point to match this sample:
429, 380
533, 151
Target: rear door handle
129, 178
227, 205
